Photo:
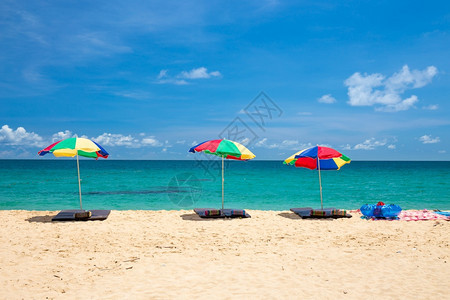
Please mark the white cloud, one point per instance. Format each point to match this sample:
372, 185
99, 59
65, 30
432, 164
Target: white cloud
392, 147
327, 99
129, 141
304, 113
244, 141
151, 141
428, 139
184, 77
385, 93
97, 44
61, 135
162, 74
263, 143
164, 78
172, 81
19, 137
111, 139
199, 73
442, 151
431, 107
285, 144
369, 144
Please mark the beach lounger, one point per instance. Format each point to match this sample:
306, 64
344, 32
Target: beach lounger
81, 215
331, 212
221, 213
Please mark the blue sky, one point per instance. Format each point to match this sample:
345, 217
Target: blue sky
147, 79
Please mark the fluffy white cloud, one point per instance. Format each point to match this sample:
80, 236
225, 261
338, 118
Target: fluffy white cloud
369, 144
327, 99
61, 135
285, 144
184, 77
385, 93
263, 143
431, 107
19, 137
162, 74
428, 139
164, 78
392, 147
111, 139
151, 141
199, 73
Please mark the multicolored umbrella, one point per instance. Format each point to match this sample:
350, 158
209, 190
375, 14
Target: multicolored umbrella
318, 158
76, 147
225, 149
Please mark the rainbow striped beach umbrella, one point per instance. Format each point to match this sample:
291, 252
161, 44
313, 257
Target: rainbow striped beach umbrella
225, 149
76, 147
318, 158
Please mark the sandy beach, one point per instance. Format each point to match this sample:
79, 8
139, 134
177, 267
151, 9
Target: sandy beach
175, 254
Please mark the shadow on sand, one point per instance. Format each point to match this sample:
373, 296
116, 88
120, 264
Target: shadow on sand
40, 219
293, 216
195, 217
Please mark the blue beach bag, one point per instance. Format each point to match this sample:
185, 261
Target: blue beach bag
390, 211
380, 211
367, 209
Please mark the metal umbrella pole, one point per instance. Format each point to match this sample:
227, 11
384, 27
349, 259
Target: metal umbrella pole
320, 182
223, 180
79, 181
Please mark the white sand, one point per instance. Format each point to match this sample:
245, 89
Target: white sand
175, 254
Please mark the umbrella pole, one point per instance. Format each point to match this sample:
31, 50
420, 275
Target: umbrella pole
79, 181
320, 182
223, 180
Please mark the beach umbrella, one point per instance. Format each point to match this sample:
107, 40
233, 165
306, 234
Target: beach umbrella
226, 149
318, 158
76, 147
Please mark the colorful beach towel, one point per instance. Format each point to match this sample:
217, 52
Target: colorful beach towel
421, 215
444, 213
339, 212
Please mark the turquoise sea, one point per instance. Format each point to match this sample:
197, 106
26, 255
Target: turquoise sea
52, 184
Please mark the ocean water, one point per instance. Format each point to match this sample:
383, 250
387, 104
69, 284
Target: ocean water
52, 184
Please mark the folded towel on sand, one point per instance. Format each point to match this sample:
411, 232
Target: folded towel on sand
212, 212
338, 212
318, 213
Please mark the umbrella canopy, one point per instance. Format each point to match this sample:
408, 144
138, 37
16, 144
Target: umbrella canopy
225, 149
76, 147
318, 158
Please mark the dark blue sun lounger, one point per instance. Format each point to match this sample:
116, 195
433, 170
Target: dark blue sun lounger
221, 213
330, 212
72, 215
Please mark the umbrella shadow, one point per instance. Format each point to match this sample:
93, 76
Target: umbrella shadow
40, 219
193, 217
294, 216
287, 215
